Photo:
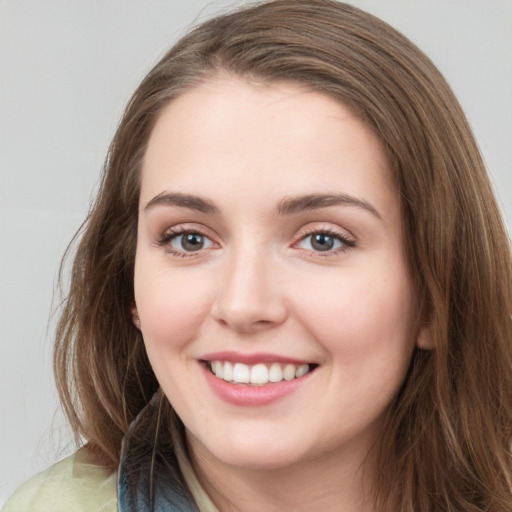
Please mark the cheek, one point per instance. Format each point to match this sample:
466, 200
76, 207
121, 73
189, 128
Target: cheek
171, 306
365, 328
360, 316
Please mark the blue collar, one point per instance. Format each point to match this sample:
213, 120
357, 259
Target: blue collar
143, 486
165, 498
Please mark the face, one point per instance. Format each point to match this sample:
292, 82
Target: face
271, 285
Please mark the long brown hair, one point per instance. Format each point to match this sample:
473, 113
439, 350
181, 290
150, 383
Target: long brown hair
446, 444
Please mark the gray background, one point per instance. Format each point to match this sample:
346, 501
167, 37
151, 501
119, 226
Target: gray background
66, 70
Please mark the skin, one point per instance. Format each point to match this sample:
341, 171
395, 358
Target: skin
259, 285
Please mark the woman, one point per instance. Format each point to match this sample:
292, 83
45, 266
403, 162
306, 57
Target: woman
294, 288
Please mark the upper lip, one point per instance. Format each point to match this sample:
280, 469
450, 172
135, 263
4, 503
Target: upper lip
251, 359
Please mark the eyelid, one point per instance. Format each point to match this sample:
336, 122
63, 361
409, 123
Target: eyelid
170, 233
343, 235
347, 240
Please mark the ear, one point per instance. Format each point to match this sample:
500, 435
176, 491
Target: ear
135, 316
425, 340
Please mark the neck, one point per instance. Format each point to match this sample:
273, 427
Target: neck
333, 482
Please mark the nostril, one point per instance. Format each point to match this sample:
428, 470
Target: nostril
262, 323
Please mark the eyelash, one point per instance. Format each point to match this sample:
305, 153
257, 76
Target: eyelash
171, 234
347, 243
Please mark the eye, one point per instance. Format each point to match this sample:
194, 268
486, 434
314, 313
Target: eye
180, 241
325, 241
190, 242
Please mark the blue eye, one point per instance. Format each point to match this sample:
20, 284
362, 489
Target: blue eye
325, 242
182, 242
190, 242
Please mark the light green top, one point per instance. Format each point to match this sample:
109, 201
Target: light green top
71, 485
74, 485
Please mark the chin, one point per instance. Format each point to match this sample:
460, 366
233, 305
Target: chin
259, 460
250, 453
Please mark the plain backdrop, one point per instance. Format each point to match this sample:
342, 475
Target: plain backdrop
67, 68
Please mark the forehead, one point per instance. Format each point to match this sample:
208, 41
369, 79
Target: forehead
247, 136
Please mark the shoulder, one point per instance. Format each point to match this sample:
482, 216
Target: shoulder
71, 485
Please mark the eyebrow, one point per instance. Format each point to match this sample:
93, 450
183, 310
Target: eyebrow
297, 204
183, 201
287, 206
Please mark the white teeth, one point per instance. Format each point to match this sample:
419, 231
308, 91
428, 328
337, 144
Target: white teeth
241, 373
289, 372
275, 374
259, 374
227, 372
302, 370
218, 369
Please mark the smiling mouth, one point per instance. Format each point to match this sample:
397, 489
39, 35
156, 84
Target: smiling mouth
258, 374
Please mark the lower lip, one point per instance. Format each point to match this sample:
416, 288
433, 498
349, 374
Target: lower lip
252, 396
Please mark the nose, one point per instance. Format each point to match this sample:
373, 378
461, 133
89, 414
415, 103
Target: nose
250, 296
